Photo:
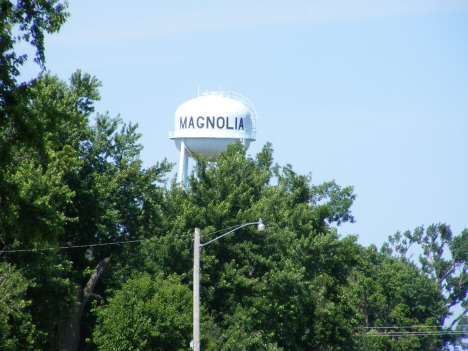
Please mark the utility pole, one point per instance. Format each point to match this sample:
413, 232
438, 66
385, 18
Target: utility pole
196, 291
196, 278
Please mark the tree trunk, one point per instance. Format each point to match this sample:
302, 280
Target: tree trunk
69, 332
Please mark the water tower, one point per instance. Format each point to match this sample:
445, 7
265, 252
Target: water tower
207, 124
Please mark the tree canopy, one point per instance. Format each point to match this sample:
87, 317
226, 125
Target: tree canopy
123, 237
25, 133
97, 251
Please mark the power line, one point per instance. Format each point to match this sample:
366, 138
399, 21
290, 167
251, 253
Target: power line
93, 245
422, 333
406, 326
113, 243
396, 332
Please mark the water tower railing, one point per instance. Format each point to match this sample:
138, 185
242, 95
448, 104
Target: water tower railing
238, 97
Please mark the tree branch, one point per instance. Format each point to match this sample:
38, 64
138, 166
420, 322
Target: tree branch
88, 290
458, 318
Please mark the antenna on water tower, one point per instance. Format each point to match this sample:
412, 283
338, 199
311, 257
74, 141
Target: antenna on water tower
209, 123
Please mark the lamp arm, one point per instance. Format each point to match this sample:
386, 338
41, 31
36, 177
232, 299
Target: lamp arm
233, 230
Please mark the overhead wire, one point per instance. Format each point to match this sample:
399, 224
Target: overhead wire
414, 332
93, 245
382, 334
113, 243
406, 326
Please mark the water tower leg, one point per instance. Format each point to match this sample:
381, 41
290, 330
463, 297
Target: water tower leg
183, 163
185, 168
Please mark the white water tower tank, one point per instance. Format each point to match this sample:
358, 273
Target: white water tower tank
208, 123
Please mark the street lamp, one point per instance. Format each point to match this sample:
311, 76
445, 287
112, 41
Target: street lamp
196, 277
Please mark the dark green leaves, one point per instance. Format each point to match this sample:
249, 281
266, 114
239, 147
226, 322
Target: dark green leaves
443, 259
146, 314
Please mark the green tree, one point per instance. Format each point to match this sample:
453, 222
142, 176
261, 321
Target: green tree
305, 298
16, 329
395, 301
462, 328
22, 131
109, 198
146, 314
443, 259
286, 287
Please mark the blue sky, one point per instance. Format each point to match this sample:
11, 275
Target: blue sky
372, 94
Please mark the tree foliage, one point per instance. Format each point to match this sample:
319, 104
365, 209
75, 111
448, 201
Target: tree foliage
146, 314
295, 286
443, 259
396, 301
16, 330
282, 285
90, 180
29, 187
83, 223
